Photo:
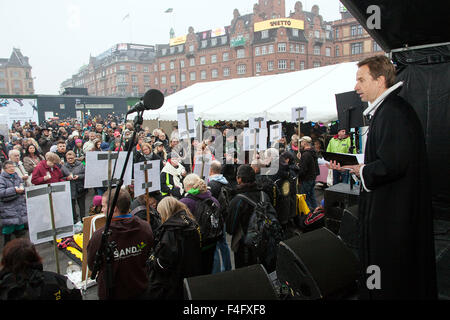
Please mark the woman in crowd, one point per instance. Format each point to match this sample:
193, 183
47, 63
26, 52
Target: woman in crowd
13, 209
14, 156
47, 170
78, 150
145, 154
177, 251
31, 159
97, 145
171, 178
197, 191
73, 171
160, 151
138, 208
22, 276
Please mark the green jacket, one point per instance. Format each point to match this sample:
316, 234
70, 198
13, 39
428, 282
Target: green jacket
340, 146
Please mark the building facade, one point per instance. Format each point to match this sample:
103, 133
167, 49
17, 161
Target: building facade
15, 75
263, 42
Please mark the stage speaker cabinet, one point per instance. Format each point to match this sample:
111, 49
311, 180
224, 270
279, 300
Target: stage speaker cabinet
336, 199
247, 283
349, 227
317, 265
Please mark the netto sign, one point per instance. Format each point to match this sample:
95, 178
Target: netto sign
277, 23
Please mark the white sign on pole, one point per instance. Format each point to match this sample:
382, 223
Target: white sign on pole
153, 177
96, 174
294, 114
186, 122
249, 139
257, 122
39, 212
275, 132
202, 165
17, 109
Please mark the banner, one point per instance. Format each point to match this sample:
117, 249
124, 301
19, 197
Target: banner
18, 109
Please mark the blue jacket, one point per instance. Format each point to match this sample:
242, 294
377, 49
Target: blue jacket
13, 212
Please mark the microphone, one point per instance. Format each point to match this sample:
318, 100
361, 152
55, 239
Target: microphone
153, 99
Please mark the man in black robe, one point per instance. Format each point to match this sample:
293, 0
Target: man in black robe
395, 213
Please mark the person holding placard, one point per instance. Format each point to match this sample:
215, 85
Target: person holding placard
47, 171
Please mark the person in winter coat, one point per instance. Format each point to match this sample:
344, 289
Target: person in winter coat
13, 209
197, 191
145, 154
79, 153
171, 178
177, 253
340, 143
14, 156
22, 276
308, 171
73, 171
31, 158
47, 171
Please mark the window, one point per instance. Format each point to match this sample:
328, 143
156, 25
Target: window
225, 56
173, 78
192, 76
224, 39
172, 65
241, 69
155, 67
302, 65
357, 48
122, 67
172, 50
135, 89
292, 64
302, 48
226, 72
180, 48
316, 34
316, 64
156, 81
359, 30
282, 47
336, 33
2, 75
263, 50
257, 51
2, 84
203, 60
269, 65
192, 62
163, 80
191, 48
295, 32
356, 30
134, 79
203, 75
376, 47
282, 64
162, 67
213, 41
337, 51
164, 51
30, 85
183, 77
240, 53
214, 58
204, 43
270, 48
264, 34
145, 69
328, 51
146, 79
316, 50
214, 73
258, 67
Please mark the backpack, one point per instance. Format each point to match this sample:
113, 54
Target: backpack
210, 219
264, 232
224, 200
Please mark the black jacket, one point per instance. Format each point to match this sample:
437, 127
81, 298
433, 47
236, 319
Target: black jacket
176, 256
36, 284
308, 166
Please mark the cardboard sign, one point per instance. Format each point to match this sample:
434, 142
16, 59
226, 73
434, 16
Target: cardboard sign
97, 164
153, 182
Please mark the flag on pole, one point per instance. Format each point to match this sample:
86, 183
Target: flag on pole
169, 10
127, 16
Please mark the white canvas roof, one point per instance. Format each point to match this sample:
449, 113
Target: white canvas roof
272, 96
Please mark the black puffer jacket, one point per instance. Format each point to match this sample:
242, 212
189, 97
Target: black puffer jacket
176, 256
308, 166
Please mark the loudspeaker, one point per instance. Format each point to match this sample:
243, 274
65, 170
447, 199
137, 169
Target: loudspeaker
247, 283
349, 230
317, 265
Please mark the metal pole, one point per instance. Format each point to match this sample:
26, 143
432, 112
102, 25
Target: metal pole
52, 214
146, 192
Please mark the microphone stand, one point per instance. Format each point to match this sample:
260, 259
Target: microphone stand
106, 250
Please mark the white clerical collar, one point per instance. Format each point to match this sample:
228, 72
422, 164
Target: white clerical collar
373, 106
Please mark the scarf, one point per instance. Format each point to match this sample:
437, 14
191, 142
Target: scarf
176, 173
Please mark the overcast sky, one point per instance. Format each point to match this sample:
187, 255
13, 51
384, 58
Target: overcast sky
59, 35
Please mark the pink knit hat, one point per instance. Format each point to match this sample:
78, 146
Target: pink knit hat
78, 140
97, 201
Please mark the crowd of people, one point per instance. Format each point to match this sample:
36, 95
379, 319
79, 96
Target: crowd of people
56, 151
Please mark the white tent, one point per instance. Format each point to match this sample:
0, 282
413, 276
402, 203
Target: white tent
272, 96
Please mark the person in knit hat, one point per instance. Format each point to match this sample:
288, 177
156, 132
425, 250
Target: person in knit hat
96, 207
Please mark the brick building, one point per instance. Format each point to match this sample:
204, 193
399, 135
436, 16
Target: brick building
15, 75
263, 42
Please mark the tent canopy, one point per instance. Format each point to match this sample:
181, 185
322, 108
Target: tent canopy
272, 96
403, 22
